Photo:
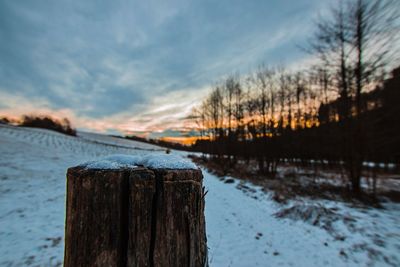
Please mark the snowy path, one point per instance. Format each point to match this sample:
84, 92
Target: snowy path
241, 228
243, 231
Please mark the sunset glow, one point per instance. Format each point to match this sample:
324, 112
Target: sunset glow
137, 67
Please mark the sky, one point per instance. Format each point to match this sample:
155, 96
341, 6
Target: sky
139, 66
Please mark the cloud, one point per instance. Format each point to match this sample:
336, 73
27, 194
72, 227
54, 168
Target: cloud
140, 65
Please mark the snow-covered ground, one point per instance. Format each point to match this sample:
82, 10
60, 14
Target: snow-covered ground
242, 226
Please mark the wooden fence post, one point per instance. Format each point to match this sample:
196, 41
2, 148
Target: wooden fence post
135, 217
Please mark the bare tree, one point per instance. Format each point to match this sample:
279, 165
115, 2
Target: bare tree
355, 42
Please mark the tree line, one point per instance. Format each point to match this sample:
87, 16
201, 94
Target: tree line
331, 111
42, 121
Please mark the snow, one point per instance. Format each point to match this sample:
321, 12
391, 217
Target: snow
119, 142
165, 161
152, 161
116, 161
243, 228
105, 165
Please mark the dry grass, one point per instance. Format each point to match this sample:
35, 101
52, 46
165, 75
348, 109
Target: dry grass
291, 182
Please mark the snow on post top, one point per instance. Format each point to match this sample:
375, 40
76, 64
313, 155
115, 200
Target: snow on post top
152, 161
112, 162
166, 161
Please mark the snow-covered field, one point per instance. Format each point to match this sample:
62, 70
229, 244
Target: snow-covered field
242, 226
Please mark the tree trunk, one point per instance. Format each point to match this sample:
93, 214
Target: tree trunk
135, 217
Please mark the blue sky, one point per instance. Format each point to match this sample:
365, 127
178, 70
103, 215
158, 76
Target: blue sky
138, 66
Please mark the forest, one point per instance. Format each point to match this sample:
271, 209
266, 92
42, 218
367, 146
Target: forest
341, 110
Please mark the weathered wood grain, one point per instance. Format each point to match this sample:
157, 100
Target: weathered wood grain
180, 228
135, 217
96, 210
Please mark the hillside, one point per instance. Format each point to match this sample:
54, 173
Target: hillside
244, 226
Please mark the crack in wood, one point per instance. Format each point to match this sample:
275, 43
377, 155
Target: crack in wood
135, 217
